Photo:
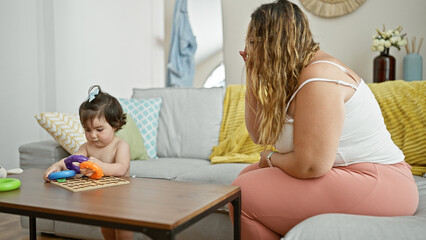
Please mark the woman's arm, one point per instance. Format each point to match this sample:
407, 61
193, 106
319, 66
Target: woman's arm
318, 122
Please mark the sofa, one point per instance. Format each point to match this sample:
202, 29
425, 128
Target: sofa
190, 128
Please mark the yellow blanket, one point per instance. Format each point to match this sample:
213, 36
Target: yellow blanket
403, 106
235, 144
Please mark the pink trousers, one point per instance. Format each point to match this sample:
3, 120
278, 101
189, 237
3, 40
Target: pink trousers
274, 202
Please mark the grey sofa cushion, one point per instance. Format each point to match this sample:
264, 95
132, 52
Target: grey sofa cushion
355, 227
421, 185
224, 173
216, 226
43, 225
165, 168
190, 120
40, 154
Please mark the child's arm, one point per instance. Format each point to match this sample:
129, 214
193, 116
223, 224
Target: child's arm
60, 165
121, 164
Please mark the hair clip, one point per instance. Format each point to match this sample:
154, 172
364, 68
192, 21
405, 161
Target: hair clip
93, 92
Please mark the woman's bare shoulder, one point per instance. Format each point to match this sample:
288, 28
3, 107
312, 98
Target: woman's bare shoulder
326, 70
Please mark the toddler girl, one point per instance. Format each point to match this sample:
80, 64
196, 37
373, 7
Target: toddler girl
101, 116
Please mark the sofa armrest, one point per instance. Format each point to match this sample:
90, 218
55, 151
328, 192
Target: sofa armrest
40, 154
353, 227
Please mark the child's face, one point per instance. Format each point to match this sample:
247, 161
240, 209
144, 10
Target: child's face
99, 132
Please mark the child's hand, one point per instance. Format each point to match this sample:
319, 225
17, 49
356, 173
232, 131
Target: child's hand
86, 172
54, 168
91, 170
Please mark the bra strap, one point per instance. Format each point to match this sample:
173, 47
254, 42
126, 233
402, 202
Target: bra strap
319, 80
337, 65
326, 80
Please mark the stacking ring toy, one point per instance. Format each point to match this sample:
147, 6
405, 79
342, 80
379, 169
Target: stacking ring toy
74, 158
97, 171
8, 184
61, 174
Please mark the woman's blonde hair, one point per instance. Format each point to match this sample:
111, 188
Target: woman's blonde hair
279, 46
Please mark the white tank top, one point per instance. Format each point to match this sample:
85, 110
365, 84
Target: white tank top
364, 135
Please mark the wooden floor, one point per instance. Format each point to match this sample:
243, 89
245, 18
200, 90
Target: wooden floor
10, 229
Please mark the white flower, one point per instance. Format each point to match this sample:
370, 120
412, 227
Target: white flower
376, 42
386, 39
387, 44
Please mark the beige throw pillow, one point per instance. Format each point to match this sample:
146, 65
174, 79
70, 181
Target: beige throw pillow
65, 128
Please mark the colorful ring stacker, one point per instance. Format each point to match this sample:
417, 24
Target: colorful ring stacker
8, 184
74, 158
97, 171
62, 174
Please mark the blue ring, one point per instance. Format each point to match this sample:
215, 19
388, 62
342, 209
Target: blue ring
62, 174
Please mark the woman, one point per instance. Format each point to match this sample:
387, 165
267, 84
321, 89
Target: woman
335, 154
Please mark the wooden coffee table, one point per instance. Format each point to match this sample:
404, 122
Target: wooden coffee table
158, 208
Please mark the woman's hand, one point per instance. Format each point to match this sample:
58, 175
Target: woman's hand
262, 162
244, 54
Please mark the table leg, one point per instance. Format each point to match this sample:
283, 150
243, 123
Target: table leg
33, 229
236, 203
158, 234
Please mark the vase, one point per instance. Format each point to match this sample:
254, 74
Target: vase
384, 67
413, 64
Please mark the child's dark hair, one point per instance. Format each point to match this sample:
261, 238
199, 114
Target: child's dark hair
100, 104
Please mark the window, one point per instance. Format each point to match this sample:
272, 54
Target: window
216, 78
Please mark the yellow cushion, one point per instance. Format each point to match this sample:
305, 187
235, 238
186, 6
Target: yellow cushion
64, 128
403, 106
235, 144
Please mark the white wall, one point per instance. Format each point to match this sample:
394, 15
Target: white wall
52, 51
348, 37
117, 44
19, 74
